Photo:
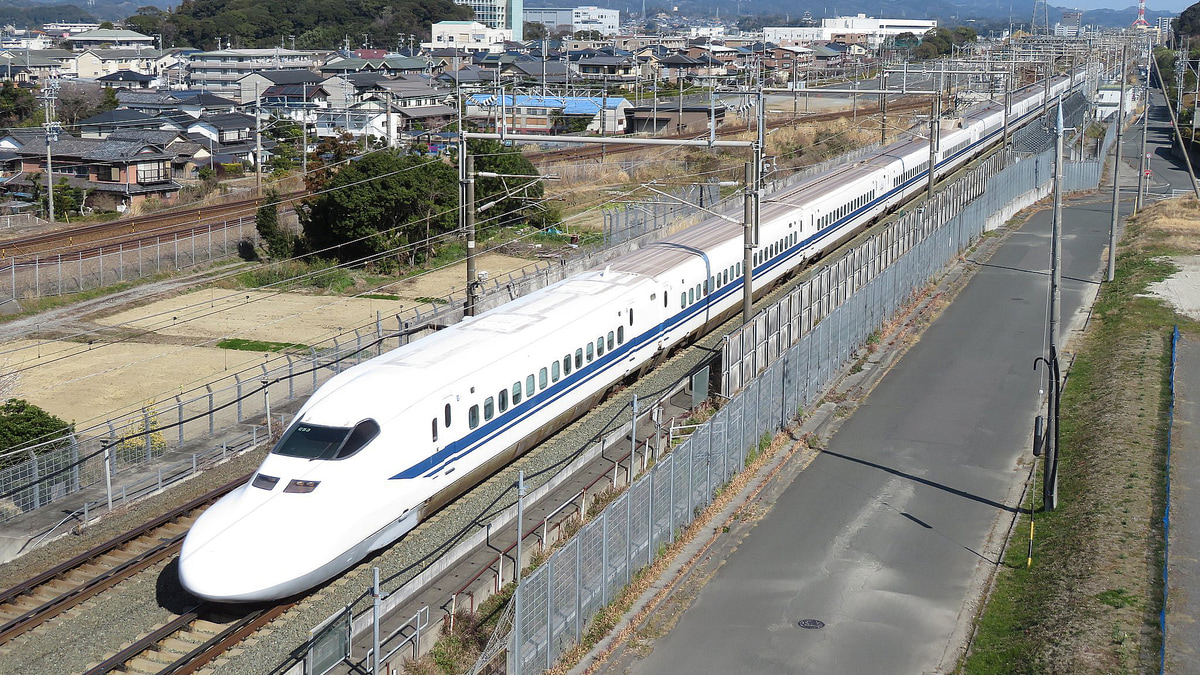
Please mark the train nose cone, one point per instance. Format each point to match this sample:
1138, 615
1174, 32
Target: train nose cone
232, 555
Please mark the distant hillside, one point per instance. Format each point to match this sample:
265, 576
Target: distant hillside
315, 24
25, 14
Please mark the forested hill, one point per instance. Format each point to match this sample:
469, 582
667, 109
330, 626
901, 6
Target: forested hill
315, 24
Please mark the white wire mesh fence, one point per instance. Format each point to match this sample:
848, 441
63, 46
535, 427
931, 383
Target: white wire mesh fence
70, 273
776, 370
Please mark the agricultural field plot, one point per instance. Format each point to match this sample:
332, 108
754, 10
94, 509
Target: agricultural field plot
176, 343
93, 383
291, 317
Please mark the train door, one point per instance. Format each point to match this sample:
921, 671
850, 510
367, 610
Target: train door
662, 311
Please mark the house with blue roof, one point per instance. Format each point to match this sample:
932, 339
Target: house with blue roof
549, 114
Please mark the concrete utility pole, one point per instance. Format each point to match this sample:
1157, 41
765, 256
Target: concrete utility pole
1116, 198
934, 123
257, 143
883, 105
304, 137
49, 94
748, 243
469, 217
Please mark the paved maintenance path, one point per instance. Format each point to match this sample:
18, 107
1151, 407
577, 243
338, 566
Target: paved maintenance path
886, 535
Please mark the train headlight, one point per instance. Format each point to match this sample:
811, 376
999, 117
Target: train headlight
265, 482
302, 486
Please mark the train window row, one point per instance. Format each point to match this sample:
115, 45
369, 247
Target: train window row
772, 250
718, 280
956, 148
848, 207
547, 375
910, 174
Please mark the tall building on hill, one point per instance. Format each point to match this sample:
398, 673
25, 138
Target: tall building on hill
508, 14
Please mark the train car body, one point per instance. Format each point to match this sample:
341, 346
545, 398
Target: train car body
381, 446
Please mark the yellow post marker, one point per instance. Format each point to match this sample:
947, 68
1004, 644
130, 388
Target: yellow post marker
1029, 557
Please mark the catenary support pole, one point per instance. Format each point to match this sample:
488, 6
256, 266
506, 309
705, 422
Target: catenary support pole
469, 216
1116, 195
748, 244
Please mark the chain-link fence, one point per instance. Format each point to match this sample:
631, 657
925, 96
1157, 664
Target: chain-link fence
818, 330
68, 273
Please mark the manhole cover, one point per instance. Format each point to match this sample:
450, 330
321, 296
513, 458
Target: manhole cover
811, 624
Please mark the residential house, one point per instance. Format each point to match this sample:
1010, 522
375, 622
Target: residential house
40, 64
335, 86
188, 156
117, 174
127, 79
109, 37
389, 65
219, 71
230, 137
549, 114
613, 69
92, 64
121, 119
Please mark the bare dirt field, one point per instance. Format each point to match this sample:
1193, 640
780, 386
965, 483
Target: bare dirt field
94, 383
176, 348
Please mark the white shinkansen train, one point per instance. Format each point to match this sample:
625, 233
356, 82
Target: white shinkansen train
386, 443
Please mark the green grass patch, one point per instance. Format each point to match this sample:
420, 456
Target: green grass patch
258, 345
432, 301
296, 274
379, 296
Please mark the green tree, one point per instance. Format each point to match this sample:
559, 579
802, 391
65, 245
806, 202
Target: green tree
67, 198
106, 25
516, 200
588, 35
926, 50
23, 424
279, 243
534, 31
17, 105
385, 201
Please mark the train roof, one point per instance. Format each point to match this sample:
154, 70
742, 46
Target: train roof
387, 385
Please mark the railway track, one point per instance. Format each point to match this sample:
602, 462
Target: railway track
592, 152
190, 641
87, 240
36, 601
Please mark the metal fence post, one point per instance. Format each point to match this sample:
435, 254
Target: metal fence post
146, 432
238, 382
549, 613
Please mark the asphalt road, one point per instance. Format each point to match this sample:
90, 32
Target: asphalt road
884, 536
1167, 173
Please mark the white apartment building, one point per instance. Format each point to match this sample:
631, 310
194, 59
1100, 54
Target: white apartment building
573, 20
607, 21
471, 36
877, 31
706, 31
219, 71
507, 14
62, 28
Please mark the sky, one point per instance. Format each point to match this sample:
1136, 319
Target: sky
1169, 5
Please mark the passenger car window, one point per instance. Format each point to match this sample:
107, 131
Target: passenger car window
473, 416
543, 379
620, 335
503, 400
610, 340
516, 396
489, 408
590, 352
579, 358
600, 346
554, 370
529, 390
567, 364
